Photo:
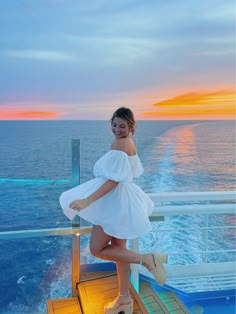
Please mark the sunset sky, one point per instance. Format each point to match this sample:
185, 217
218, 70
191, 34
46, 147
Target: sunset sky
70, 59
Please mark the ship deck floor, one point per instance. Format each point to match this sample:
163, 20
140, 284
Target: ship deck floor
94, 292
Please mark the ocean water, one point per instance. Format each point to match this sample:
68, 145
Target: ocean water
35, 168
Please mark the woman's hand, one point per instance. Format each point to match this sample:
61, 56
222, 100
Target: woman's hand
79, 204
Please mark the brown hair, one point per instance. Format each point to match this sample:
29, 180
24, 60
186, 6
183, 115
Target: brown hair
127, 115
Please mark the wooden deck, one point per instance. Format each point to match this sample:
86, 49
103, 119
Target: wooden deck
93, 294
161, 302
64, 306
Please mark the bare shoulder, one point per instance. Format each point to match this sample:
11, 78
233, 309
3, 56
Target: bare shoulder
124, 144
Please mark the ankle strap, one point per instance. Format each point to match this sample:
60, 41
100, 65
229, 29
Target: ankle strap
123, 295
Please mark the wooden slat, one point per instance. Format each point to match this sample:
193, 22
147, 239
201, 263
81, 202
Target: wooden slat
64, 306
96, 275
172, 303
164, 302
150, 299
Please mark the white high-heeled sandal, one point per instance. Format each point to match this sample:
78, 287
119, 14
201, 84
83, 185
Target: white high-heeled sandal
116, 307
159, 271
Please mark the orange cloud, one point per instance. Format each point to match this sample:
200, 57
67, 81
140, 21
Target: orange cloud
28, 115
196, 106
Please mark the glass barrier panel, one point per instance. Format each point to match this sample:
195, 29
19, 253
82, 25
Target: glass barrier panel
32, 271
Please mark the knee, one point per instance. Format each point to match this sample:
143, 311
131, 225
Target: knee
95, 249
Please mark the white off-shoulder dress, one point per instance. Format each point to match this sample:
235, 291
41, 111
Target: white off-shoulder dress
124, 211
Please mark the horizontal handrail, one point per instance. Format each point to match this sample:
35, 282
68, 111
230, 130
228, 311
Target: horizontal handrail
162, 209
196, 228
34, 181
44, 232
194, 209
192, 196
193, 270
159, 210
200, 252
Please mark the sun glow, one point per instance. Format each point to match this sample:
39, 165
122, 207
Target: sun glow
28, 115
195, 106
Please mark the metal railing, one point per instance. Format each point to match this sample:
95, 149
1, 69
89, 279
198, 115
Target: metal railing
75, 255
200, 204
76, 231
225, 205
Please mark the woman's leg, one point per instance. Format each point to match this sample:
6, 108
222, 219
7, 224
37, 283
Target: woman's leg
109, 248
123, 269
123, 273
101, 247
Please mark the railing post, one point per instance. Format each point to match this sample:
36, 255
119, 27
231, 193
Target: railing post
206, 238
75, 263
134, 276
75, 276
75, 162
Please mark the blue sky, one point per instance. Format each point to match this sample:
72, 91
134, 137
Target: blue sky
82, 59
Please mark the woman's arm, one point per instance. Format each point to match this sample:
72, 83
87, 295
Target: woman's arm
124, 144
104, 189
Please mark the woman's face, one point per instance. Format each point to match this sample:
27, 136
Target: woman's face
120, 128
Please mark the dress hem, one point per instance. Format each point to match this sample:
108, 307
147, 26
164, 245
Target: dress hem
124, 238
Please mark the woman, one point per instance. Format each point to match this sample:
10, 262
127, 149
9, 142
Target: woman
117, 208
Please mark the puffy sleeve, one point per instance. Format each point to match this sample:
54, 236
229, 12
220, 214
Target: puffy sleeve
114, 165
137, 168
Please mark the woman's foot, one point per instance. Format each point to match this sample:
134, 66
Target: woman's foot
153, 262
123, 303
